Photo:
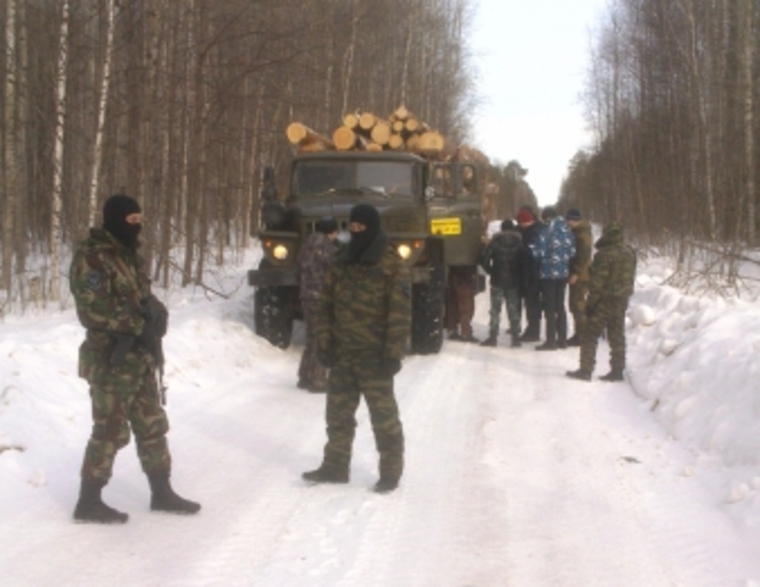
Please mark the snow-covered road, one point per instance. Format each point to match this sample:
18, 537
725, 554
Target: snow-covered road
516, 475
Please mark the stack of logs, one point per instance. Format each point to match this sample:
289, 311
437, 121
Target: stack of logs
364, 131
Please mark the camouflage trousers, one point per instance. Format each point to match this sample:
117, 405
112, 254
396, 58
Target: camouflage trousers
578, 292
511, 297
609, 316
123, 398
310, 372
350, 379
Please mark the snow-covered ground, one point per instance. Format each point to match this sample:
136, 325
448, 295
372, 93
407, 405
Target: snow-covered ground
515, 474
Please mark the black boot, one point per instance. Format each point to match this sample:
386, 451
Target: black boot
581, 374
325, 475
490, 341
516, 344
614, 375
385, 485
574, 340
163, 498
90, 507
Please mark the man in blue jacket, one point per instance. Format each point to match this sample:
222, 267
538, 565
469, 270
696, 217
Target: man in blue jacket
553, 250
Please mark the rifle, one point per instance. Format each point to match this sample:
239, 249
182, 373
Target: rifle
156, 324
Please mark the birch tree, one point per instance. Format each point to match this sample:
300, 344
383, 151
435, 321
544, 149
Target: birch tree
59, 129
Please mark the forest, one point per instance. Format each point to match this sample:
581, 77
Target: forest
672, 97
182, 103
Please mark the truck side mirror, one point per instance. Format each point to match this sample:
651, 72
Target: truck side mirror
268, 188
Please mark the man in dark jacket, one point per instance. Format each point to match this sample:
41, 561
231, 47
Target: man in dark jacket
363, 322
502, 259
119, 359
612, 278
531, 295
579, 272
314, 261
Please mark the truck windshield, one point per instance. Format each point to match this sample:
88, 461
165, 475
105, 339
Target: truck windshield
316, 178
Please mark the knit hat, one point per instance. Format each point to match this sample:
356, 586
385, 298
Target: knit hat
573, 214
326, 225
115, 212
524, 217
548, 213
507, 224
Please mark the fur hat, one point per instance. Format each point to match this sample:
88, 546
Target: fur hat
573, 214
326, 225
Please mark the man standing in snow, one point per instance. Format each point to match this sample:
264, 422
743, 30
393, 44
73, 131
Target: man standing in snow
554, 249
314, 261
579, 268
612, 276
530, 229
503, 260
120, 358
363, 322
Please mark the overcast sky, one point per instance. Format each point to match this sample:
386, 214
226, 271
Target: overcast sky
531, 57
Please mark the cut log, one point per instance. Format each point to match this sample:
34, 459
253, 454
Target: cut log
344, 138
315, 147
398, 126
351, 120
396, 142
413, 125
381, 132
430, 142
367, 121
411, 143
299, 133
373, 147
401, 113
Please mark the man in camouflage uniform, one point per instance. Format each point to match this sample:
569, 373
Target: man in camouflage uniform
579, 272
314, 261
363, 322
119, 359
612, 276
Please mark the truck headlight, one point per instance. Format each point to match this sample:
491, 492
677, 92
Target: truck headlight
280, 252
404, 251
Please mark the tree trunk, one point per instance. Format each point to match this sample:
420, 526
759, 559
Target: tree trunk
60, 116
102, 104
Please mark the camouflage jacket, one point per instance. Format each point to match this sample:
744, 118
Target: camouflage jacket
107, 283
614, 268
314, 261
554, 249
365, 308
581, 261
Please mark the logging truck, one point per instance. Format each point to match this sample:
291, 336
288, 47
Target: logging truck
428, 199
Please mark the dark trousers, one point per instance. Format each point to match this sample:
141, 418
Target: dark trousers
460, 299
532, 300
553, 302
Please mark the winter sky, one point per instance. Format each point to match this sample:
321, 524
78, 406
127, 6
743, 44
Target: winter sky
531, 59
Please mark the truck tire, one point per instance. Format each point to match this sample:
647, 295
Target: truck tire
427, 312
273, 314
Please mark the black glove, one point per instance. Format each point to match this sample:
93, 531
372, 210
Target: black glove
326, 358
389, 367
122, 344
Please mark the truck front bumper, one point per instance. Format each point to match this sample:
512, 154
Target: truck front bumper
272, 277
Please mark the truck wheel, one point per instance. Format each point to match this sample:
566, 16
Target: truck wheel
273, 315
427, 312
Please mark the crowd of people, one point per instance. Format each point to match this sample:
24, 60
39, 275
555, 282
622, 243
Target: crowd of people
357, 305
532, 263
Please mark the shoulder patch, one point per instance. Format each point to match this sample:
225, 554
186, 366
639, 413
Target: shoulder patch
94, 280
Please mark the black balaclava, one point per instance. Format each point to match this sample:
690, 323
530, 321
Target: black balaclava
115, 212
369, 217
